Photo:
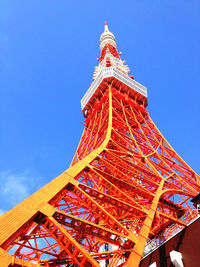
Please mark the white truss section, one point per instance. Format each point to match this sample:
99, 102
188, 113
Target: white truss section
114, 62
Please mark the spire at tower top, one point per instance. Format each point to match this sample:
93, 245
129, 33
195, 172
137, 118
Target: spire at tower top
107, 37
106, 27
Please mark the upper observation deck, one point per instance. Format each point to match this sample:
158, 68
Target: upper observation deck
120, 81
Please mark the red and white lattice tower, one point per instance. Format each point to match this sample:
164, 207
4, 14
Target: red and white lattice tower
126, 190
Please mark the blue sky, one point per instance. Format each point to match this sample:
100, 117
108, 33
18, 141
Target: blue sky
48, 54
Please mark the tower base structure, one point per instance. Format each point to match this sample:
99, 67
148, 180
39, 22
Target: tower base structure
184, 246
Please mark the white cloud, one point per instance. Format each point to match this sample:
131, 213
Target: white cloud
2, 212
14, 188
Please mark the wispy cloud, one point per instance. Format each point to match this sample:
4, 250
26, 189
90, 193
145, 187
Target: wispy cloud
14, 188
2, 212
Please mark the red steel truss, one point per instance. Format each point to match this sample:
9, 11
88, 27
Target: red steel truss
125, 187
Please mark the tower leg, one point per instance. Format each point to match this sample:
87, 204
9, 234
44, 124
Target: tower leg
136, 255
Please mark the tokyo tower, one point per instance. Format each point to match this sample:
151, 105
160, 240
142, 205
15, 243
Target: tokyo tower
125, 190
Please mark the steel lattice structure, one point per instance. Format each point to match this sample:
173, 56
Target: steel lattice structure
126, 185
